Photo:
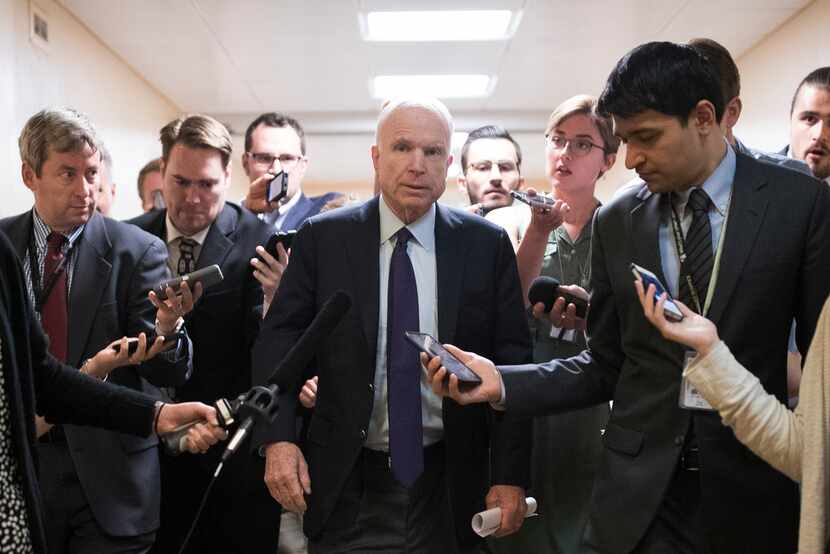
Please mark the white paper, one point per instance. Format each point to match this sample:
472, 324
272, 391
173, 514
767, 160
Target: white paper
486, 523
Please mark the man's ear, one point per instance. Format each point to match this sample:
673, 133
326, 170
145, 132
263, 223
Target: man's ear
703, 117
29, 176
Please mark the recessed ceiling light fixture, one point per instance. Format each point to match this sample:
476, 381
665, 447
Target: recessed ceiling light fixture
445, 25
440, 86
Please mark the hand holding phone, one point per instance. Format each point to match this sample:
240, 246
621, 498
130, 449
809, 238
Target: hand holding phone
429, 344
208, 276
646, 277
286, 238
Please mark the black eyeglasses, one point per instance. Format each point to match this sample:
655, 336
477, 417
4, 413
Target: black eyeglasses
287, 161
579, 146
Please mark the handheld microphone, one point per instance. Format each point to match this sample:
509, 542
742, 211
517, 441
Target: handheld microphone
208, 276
545, 289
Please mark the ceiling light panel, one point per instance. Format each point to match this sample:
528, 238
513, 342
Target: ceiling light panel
445, 25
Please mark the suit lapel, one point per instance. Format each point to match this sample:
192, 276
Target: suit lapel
746, 213
296, 215
449, 261
217, 244
645, 224
91, 278
362, 247
20, 234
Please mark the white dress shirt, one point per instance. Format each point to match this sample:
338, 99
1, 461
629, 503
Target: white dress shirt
421, 252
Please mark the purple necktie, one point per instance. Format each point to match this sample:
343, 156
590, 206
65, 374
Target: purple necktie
403, 368
54, 313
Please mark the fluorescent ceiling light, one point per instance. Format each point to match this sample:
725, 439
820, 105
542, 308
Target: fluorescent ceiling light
441, 86
450, 25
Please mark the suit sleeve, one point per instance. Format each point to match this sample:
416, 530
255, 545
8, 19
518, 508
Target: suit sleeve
814, 278
168, 369
583, 380
511, 434
291, 312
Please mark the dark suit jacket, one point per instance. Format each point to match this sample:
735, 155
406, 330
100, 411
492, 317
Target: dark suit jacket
37, 382
304, 208
116, 266
223, 327
479, 308
775, 267
225, 321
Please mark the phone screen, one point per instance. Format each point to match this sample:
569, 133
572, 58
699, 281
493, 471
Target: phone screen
670, 309
430, 345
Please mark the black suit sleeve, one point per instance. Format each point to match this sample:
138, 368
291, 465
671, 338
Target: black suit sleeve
291, 312
511, 435
583, 380
815, 270
151, 269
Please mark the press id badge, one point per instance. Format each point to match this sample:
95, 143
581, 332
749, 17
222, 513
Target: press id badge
690, 397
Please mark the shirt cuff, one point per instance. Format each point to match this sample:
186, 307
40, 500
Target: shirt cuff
500, 405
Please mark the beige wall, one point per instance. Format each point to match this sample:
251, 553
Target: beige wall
78, 71
771, 71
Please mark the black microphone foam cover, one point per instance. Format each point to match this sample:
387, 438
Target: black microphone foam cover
544, 290
291, 368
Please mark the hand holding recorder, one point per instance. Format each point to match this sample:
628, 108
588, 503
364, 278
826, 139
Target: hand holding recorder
565, 306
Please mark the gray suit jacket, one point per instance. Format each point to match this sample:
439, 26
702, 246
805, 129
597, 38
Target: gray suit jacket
775, 268
116, 265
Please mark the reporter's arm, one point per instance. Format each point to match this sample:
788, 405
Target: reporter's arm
759, 419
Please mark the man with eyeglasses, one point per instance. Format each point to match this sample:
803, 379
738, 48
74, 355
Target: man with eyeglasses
490, 168
275, 142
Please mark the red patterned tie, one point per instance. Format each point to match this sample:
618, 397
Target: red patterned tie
53, 313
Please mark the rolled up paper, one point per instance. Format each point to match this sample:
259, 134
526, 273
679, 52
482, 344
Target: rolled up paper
487, 522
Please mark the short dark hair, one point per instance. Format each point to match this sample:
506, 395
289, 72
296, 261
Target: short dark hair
489, 132
662, 76
150, 167
721, 59
819, 78
275, 119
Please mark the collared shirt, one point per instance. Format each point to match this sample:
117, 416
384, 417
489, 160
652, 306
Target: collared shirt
40, 231
277, 217
719, 188
174, 237
421, 252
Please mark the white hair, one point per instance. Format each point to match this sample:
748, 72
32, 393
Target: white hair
425, 102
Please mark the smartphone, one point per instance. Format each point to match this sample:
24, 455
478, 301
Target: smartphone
670, 309
429, 344
286, 238
208, 276
277, 187
132, 342
536, 201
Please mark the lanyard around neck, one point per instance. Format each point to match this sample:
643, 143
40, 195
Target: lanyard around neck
681, 253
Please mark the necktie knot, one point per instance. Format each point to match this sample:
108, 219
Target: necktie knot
55, 242
403, 237
187, 245
699, 201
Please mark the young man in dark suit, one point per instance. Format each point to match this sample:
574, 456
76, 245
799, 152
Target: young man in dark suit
201, 229
88, 278
377, 433
746, 243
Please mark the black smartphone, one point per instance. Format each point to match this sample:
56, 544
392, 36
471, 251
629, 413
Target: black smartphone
132, 342
286, 238
429, 344
208, 276
670, 309
277, 187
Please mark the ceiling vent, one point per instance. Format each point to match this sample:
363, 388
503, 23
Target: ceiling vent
38, 26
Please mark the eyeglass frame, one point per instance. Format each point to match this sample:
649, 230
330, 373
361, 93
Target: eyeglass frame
287, 164
569, 142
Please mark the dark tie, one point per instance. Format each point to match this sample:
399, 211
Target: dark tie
53, 312
187, 262
403, 368
699, 259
